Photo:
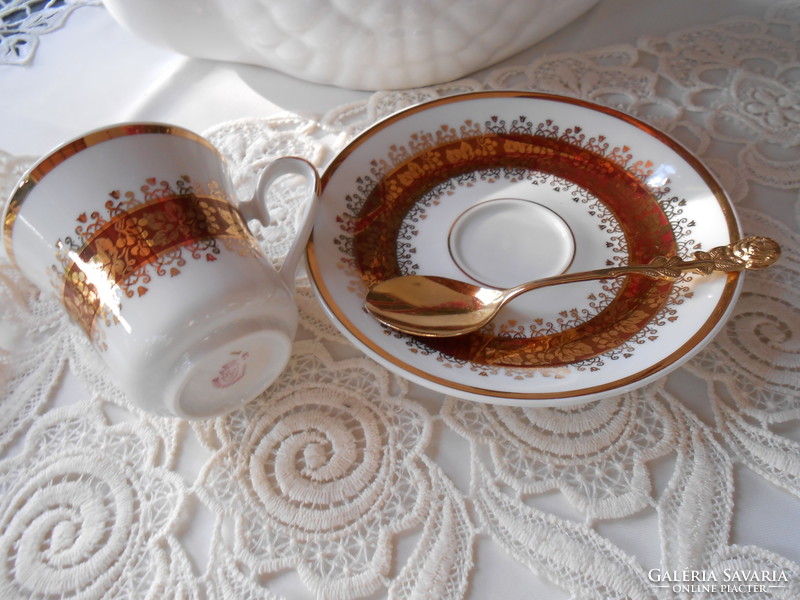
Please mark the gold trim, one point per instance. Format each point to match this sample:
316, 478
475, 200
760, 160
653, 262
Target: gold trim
717, 314
61, 153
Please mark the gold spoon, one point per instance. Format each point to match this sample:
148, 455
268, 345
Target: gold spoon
441, 307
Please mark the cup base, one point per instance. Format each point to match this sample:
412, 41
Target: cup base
228, 369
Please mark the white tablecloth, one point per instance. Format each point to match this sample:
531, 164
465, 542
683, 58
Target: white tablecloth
695, 476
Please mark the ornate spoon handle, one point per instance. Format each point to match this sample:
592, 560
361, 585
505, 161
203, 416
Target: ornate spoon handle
748, 253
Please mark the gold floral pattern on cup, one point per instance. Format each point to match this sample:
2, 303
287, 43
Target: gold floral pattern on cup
115, 255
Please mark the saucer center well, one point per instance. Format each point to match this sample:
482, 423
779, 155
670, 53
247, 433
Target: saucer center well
508, 241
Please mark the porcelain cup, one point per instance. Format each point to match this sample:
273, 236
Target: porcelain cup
135, 229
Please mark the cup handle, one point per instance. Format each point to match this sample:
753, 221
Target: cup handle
256, 208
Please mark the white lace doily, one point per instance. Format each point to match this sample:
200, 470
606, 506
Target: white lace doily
337, 476
23, 21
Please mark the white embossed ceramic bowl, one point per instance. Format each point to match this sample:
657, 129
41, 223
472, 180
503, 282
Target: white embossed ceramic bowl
364, 44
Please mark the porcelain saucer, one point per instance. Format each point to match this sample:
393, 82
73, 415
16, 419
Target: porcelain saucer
500, 188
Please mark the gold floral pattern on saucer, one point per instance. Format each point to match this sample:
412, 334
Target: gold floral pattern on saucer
447, 159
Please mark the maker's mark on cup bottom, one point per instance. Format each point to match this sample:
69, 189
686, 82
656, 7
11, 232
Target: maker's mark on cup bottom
232, 371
